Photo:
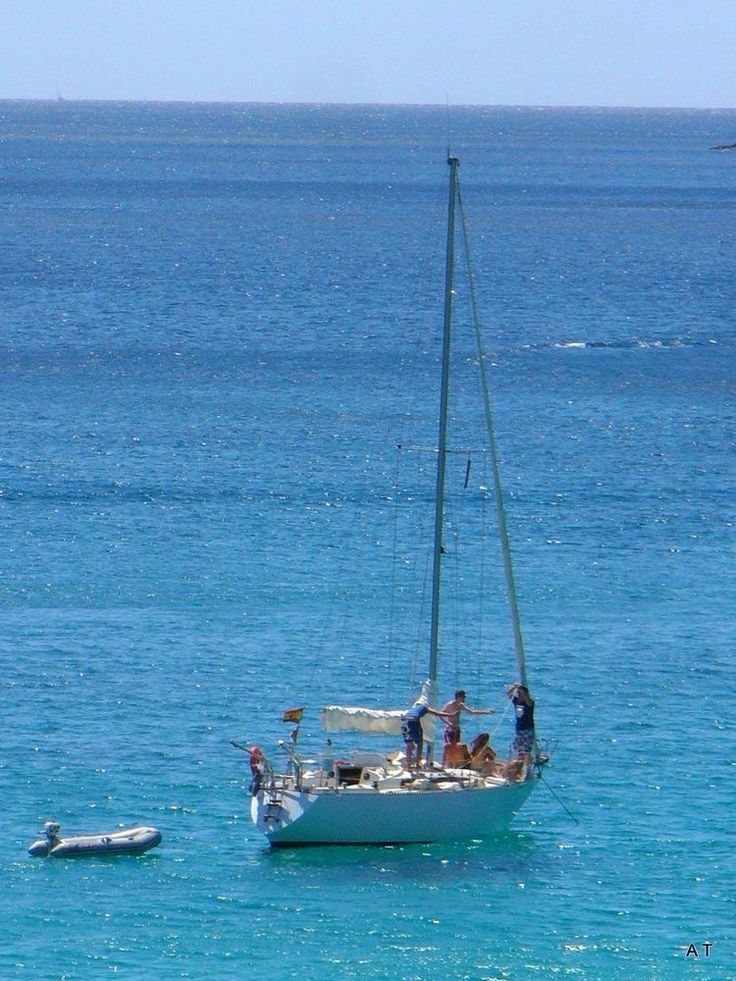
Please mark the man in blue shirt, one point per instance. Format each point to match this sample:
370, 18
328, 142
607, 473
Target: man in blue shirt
524, 705
411, 730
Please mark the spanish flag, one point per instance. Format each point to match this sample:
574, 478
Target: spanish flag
293, 715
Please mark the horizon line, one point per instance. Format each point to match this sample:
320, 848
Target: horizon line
59, 99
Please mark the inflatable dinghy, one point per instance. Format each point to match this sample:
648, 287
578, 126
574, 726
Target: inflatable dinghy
130, 841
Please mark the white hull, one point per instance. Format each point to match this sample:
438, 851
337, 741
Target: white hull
362, 815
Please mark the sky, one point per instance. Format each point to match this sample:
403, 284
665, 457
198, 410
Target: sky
678, 53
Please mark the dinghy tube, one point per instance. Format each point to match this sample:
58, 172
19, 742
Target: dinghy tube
129, 841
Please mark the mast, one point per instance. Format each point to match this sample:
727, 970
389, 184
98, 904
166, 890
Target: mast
453, 163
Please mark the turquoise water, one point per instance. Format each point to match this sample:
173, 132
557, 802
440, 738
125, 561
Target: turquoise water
218, 322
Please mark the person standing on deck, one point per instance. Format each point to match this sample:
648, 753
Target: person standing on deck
453, 709
524, 706
411, 731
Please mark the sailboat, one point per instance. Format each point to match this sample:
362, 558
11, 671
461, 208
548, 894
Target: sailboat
370, 798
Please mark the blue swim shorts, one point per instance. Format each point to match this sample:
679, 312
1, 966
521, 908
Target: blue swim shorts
411, 730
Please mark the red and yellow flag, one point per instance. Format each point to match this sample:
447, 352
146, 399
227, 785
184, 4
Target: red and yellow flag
293, 715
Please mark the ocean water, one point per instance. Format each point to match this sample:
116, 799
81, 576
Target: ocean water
217, 324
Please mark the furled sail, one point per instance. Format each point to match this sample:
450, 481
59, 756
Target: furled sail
387, 722
338, 717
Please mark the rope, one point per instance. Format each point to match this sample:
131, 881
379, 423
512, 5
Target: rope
562, 804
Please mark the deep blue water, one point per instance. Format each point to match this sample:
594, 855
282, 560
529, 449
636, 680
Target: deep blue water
217, 323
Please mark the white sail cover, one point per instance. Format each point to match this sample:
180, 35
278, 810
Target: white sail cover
336, 718
387, 722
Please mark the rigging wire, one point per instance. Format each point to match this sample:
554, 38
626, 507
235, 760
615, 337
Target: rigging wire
501, 718
483, 539
394, 573
334, 626
501, 514
455, 611
424, 593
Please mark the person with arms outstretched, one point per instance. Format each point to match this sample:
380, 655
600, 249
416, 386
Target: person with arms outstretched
454, 709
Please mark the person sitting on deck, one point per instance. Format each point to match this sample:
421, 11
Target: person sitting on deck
455, 753
483, 757
483, 760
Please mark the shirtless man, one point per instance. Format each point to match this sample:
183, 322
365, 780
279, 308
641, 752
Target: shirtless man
453, 709
455, 754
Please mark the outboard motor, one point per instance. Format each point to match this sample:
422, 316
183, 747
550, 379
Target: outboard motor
49, 840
